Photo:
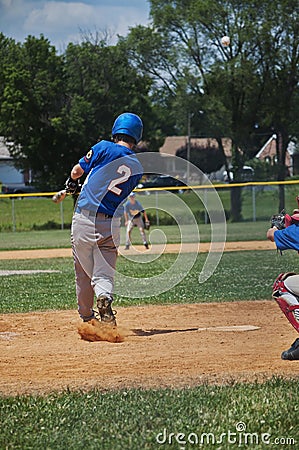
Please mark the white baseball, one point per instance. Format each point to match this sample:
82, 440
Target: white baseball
225, 41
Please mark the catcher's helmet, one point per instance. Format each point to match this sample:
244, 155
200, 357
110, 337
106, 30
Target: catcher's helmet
129, 124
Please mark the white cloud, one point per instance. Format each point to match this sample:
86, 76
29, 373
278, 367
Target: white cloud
62, 21
6, 3
53, 16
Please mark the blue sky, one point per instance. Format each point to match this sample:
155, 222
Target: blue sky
61, 21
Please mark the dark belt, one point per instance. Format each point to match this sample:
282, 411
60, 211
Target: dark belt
88, 213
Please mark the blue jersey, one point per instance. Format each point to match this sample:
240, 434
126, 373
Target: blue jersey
133, 209
113, 171
288, 238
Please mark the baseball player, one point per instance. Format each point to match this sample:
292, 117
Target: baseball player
133, 218
113, 171
286, 285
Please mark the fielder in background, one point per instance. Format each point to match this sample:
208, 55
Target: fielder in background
113, 171
133, 218
285, 233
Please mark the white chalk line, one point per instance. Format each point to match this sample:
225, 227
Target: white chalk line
4, 273
231, 328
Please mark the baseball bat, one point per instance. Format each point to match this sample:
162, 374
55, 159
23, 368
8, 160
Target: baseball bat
59, 196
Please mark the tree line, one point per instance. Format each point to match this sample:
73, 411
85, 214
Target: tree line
175, 73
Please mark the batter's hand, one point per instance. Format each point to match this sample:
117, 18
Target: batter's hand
71, 186
59, 196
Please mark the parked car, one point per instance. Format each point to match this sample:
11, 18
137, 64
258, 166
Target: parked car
247, 174
162, 181
18, 189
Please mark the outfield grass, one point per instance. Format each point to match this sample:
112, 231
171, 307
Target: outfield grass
32, 213
205, 417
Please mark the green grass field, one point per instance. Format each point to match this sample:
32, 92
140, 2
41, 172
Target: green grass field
202, 417
137, 419
205, 417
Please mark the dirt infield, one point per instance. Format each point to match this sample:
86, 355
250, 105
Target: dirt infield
174, 346
163, 346
169, 248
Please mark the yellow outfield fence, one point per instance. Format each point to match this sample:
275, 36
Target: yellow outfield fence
221, 185
173, 188
260, 200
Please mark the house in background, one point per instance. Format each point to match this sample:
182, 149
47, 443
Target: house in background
11, 177
175, 167
268, 153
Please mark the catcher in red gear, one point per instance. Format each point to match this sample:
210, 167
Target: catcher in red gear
284, 231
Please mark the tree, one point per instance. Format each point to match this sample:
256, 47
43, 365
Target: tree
207, 158
55, 107
183, 53
9, 54
100, 85
31, 104
278, 49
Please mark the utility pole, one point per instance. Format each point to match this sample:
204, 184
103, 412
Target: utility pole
188, 147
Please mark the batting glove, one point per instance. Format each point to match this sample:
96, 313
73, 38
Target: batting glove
71, 186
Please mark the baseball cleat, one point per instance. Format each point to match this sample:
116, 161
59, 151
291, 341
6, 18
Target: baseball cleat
105, 311
127, 247
89, 318
292, 353
146, 245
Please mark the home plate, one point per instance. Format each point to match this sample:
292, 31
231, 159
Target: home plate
25, 272
231, 328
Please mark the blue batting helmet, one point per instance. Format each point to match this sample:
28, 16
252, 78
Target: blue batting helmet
129, 124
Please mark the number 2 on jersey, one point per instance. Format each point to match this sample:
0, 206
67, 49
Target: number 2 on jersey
123, 170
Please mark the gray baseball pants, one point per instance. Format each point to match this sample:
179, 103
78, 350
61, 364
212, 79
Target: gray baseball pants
95, 240
135, 222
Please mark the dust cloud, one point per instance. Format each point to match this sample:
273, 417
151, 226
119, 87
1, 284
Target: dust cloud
98, 331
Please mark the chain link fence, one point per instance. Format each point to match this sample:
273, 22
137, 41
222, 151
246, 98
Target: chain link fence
24, 212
